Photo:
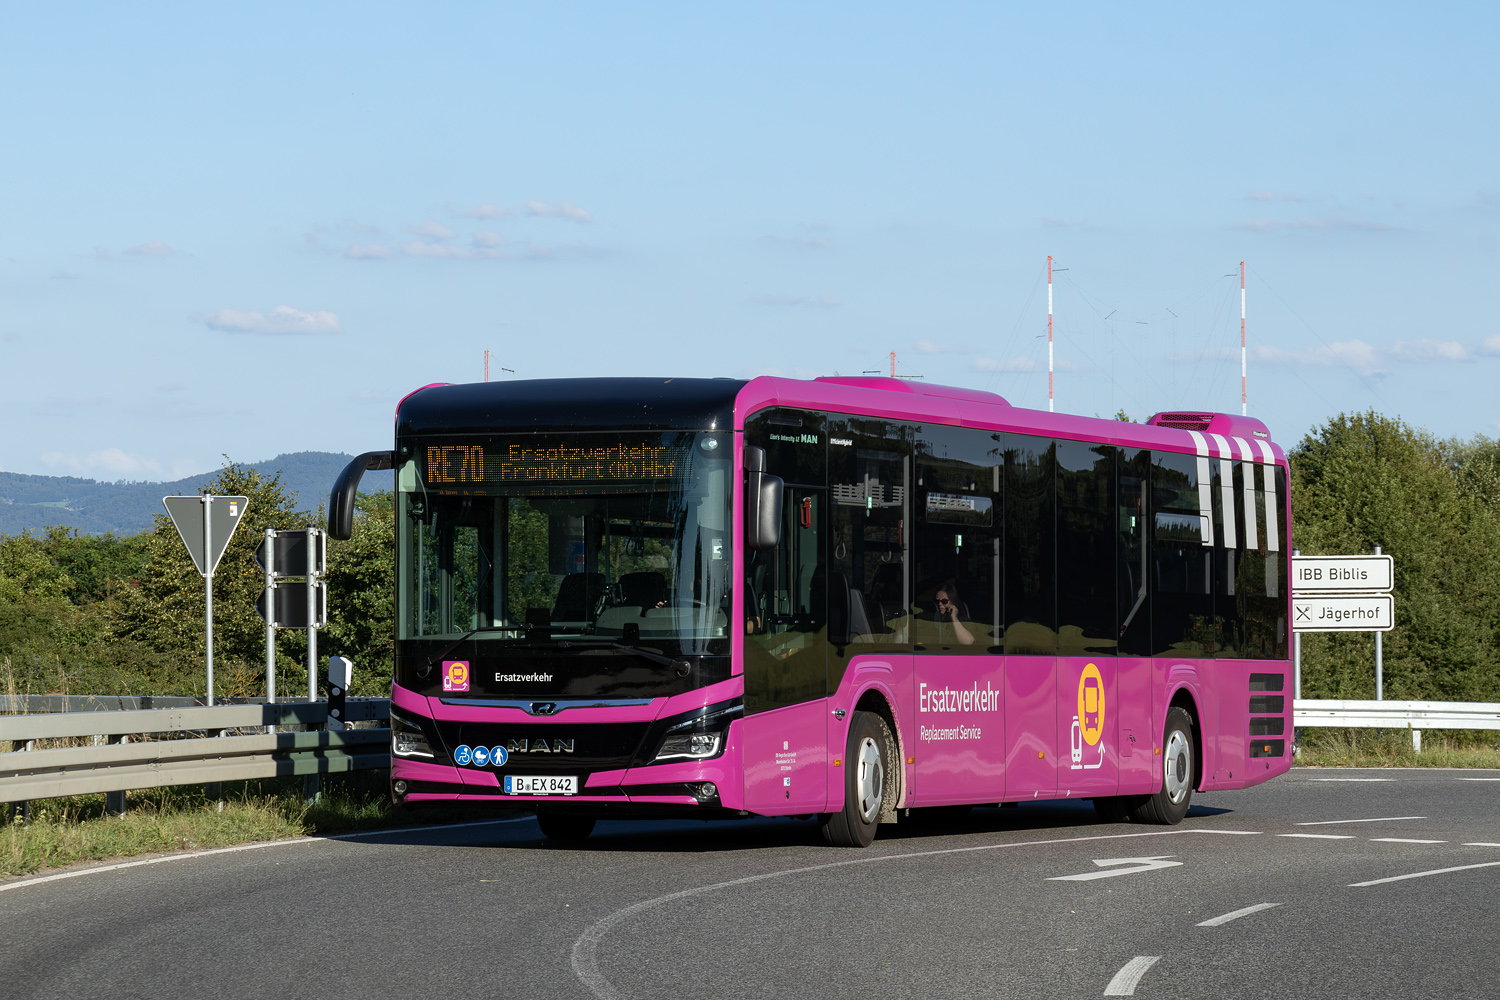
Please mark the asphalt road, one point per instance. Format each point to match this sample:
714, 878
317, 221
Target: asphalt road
1354, 884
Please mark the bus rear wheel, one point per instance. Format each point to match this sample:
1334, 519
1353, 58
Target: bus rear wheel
868, 781
563, 826
1170, 804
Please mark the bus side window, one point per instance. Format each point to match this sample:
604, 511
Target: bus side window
1132, 590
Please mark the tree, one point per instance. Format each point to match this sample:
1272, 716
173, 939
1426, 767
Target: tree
165, 612
362, 595
1366, 480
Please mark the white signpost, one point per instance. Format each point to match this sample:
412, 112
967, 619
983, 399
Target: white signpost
1342, 574
206, 524
1343, 594
1343, 613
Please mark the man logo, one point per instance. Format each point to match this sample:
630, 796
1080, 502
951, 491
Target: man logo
540, 745
543, 707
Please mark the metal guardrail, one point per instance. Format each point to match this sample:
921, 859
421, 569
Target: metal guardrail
220, 753
1413, 715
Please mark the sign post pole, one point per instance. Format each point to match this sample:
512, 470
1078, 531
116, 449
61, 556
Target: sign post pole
270, 567
206, 540
312, 614
208, 589
1379, 660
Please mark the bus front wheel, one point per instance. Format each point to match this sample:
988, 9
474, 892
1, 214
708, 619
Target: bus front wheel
1170, 804
868, 780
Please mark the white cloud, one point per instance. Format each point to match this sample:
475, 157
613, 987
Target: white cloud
1490, 346
367, 251
532, 209
1425, 350
804, 301
153, 249
111, 462
281, 320
484, 238
562, 210
928, 347
432, 230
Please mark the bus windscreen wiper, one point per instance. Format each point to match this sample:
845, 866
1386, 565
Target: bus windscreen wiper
435, 657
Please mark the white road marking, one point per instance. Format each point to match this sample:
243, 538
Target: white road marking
1479, 779
1351, 779
586, 948
1221, 921
1482, 843
1141, 865
1129, 976
1378, 819
1318, 836
1403, 840
1435, 871
7, 886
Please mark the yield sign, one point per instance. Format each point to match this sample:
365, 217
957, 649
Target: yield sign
1140, 865
206, 524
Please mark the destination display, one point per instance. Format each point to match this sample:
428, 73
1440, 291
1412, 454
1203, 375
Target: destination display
640, 460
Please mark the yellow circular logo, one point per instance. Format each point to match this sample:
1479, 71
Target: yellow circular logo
1091, 705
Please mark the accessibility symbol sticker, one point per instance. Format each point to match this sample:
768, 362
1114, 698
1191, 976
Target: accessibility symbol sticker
463, 756
481, 756
499, 756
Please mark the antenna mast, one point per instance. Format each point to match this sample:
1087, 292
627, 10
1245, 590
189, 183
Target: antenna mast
1244, 398
1049, 333
486, 365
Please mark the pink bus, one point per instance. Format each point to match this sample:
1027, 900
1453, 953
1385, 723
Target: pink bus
845, 597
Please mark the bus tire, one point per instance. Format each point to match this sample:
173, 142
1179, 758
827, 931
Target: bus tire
563, 826
1170, 803
868, 780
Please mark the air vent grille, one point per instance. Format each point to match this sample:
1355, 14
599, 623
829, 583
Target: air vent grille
1184, 421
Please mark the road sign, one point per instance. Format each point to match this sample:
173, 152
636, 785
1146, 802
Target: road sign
205, 525
1342, 574
1343, 613
290, 553
291, 605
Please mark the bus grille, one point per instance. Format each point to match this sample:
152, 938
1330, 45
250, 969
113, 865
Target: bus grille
1184, 421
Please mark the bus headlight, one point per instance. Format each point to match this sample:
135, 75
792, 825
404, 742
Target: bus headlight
408, 739
690, 746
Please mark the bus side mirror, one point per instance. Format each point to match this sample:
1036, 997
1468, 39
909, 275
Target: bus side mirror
341, 500
762, 502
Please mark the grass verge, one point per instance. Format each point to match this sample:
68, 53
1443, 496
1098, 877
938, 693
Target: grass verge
1320, 747
67, 831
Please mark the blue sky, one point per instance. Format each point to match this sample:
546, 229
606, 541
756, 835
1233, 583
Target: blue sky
250, 230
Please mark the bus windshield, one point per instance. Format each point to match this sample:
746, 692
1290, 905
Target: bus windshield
537, 539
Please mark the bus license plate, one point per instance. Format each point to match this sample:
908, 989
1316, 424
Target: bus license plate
520, 784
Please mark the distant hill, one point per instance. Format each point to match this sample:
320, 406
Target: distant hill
92, 507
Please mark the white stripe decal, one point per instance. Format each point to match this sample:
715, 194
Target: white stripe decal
1247, 485
1246, 454
1273, 509
1205, 498
1224, 450
1265, 452
1226, 497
